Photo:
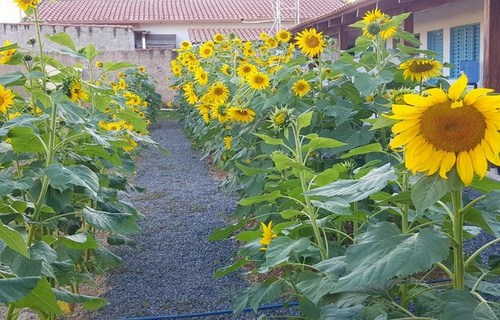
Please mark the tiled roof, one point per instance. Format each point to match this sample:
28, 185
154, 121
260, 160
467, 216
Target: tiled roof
176, 11
205, 34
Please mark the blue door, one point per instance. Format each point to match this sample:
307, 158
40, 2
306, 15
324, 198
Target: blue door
435, 43
465, 46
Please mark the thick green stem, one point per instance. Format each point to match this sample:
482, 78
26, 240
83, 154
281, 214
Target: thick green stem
458, 246
40, 47
10, 312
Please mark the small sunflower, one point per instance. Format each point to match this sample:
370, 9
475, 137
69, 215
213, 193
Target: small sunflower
218, 93
444, 130
99, 64
376, 23
419, 69
301, 88
77, 93
225, 69
218, 37
311, 42
280, 118
206, 50
141, 69
201, 76
25, 5
284, 36
239, 114
186, 45
228, 142
267, 235
6, 99
258, 80
263, 36
245, 69
271, 43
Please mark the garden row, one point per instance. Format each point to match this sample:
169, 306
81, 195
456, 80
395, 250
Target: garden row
351, 168
66, 152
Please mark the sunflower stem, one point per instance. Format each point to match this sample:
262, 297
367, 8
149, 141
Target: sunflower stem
458, 246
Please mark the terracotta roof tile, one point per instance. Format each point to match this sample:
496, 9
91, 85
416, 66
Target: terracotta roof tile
204, 34
175, 11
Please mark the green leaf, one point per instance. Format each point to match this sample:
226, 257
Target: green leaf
89, 303
283, 162
270, 140
322, 143
365, 83
113, 66
250, 171
260, 198
63, 39
490, 211
458, 305
290, 213
125, 223
333, 312
13, 239
79, 241
428, 190
14, 289
225, 233
304, 120
12, 79
485, 185
42, 298
369, 148
24, 139
356, 190
282, 249
381, 122
62, 178
230, 269
383, 253
315, 286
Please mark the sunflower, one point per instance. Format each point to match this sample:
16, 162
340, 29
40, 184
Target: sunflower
443, 130
204, 111
245, 69
206, 50
219, 114
6, 99
311, 42
267, 235
239, 114
271, 43
284, 36
263, 36
228, 142
131, 145
25, 5
189, 93
218, 37
280, 118
419, 69
301, 88
225, 69
218, 93
141, 69
258, 80
77, 93
374, 24
201, 76
186, 45
99, 64
6, 55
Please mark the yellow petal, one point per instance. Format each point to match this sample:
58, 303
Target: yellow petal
425, 157
493, 138
437, 94
417, 100
457, 89
471, 97
490, 155
436, 162
404, 137
479, 161
464, 167
488, 103
404, 125
447, 163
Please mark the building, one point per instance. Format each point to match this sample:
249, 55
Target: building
464, 33
165, 23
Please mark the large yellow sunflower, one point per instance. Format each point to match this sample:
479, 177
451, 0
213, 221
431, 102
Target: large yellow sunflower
311, 42
258, 80
245, 69
186, 45
218, 93
240, 114
301, 88
374, 24
443, 130
6, 99
206, 50
419, 69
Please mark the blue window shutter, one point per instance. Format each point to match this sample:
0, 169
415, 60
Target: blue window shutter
435, 43
465, 46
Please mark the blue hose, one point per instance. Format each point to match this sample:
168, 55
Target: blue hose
215, 313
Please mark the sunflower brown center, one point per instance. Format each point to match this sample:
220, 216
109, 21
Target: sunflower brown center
219, 91
258, 80
419, 67
453, 130
312, 41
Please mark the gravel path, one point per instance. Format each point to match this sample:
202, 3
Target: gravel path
170, 270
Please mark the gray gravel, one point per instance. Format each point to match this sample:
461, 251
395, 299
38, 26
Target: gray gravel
170, 270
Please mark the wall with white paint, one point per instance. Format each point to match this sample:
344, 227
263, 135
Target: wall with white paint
446, 17
9, 12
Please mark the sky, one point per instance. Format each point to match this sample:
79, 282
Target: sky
9, 12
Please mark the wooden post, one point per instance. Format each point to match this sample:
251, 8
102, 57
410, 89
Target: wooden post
491, 68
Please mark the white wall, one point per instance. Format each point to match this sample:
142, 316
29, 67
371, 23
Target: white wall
9, 12
446, 17
181, 30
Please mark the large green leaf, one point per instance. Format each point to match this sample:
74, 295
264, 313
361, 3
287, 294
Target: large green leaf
24, 139
490, 211
14, 289
458, 305
428, 190
229, 269
282, 249
333, 312
322, 143
12, 79
260, 198
79, 241
62, 178
369, 148
315, 286
304, 120
13, 239
383, 253
110, 221
62, 39
355, 190
89, 303
283, 162
270, 140
42, 298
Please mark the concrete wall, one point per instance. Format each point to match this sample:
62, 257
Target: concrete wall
446, 17
109, 38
